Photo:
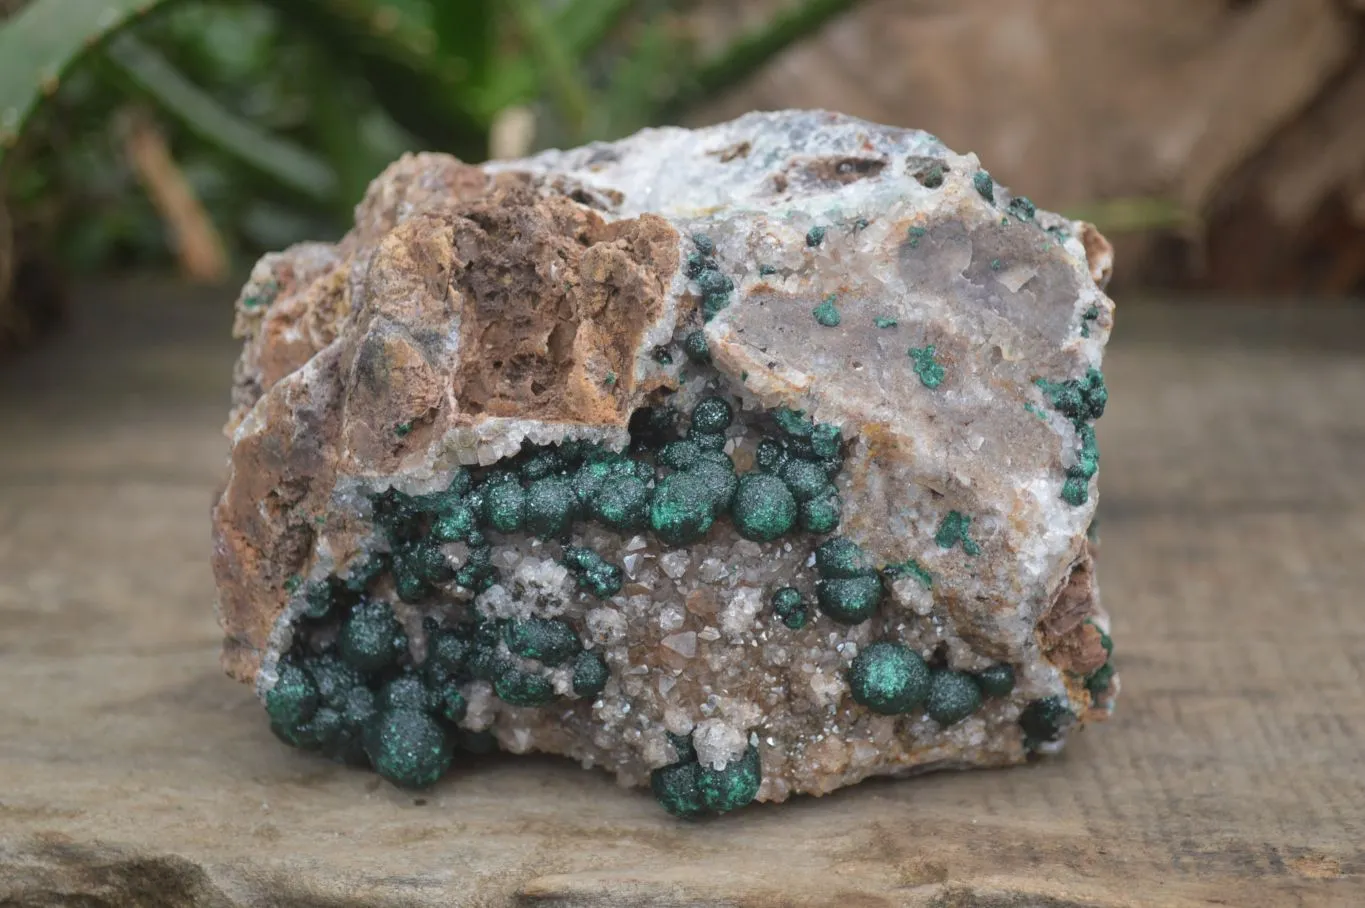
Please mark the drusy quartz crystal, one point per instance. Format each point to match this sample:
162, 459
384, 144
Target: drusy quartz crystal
743, 462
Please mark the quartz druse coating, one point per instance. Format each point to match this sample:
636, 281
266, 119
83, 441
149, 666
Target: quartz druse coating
741, 462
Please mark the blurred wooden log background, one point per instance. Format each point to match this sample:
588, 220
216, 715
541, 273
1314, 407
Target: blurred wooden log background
1246, 115
1249, 114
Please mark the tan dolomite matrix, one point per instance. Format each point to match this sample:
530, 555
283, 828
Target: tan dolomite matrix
741, 462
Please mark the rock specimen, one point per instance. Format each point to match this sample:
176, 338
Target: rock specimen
742, 462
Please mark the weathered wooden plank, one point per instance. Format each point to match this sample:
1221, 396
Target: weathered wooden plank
1232, 773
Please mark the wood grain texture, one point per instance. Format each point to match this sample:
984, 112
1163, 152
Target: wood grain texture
1233, 526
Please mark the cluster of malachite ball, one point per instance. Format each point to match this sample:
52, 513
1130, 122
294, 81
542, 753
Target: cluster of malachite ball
701, 266
849, 588
688, 789
954, 528
361, 699
827, 313
806, 457
892, 679
1088, 317
927, 367
545, 490
1081, 400
790, 607
350, 689
791, 488
1022, 208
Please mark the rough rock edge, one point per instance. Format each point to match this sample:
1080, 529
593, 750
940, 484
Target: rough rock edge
309, 292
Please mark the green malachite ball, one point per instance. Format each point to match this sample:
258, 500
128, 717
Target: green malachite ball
820, 515
711, 282
985, 186
790, 607
455, 525
321, 598
681, 512
522, 688
680, 455
825, 440
849, 600
360, 707
549, 506
371, 639
676, 788
504, 505
335, 679
590, 674
407, 691
1045, 720
793, 422
544, 462
804, 478
827, 314
547, 640
409, 748
841, 557
770, 456
706, 441
696, 347
953, 696
446, 652
888, 678
719, 483
711, 415
996, 681
723, 790
623, 503
764, 508
594, 572
294, 698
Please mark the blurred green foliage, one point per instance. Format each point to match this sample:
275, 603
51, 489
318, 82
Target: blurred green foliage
279, 112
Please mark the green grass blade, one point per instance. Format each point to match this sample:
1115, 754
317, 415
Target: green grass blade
40, 43
560, 75
582, 26
278, 159
422, 91
640, 78
465, 33
749, 53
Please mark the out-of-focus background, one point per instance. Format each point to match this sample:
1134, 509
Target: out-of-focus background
1219, 143
150, 150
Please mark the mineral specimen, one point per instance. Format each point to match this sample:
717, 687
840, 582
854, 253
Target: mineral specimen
741, 462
